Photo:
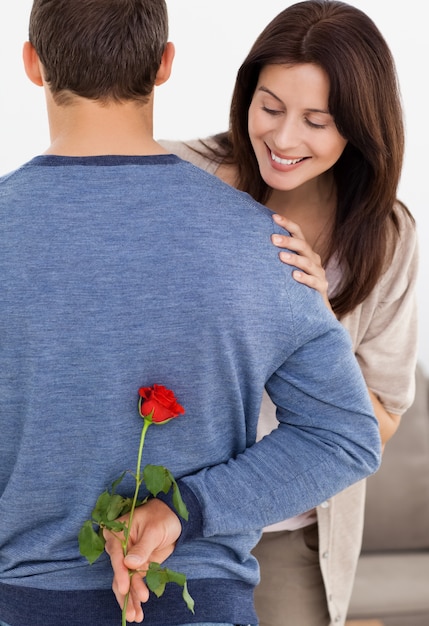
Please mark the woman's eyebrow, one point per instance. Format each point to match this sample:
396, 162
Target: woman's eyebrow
273, 95
266, 90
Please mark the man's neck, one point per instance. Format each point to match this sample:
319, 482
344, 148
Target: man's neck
87, 128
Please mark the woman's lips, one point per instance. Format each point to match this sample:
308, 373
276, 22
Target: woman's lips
283, 161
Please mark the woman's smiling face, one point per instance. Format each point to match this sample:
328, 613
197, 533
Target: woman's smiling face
294, 136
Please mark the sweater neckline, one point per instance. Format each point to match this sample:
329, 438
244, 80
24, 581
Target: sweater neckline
109, 160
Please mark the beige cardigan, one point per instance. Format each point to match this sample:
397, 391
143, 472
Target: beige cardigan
384, 334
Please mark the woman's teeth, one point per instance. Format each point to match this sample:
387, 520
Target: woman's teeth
277, 159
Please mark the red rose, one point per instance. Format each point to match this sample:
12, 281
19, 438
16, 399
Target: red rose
159, 401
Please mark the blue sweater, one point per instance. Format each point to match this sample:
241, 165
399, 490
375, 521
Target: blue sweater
122, 272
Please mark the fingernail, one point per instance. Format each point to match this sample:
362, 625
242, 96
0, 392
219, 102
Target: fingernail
134, 560
276, 239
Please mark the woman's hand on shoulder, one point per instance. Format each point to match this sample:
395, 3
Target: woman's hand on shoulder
300, 254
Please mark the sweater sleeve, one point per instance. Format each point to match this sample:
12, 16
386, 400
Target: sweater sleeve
326, 440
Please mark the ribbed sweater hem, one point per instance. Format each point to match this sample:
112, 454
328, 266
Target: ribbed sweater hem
216, 600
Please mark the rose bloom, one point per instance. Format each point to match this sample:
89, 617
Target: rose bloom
161, 401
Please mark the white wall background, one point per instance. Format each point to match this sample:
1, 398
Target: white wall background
211, 39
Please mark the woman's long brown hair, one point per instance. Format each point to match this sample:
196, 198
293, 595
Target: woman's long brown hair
365, 103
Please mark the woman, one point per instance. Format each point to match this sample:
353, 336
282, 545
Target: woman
316, 134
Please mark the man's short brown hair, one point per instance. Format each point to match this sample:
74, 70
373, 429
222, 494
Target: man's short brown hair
100, 49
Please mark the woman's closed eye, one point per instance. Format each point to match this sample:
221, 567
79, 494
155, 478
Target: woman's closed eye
271, 111
314, 125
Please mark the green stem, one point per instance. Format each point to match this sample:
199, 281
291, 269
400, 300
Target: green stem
124, 610
139, 481
138, 478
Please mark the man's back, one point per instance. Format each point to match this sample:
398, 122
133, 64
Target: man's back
121, 272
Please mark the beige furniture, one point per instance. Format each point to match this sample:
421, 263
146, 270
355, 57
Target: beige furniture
364, 622
392, 581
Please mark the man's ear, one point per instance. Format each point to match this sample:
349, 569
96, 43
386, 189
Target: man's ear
164, 71
32, 64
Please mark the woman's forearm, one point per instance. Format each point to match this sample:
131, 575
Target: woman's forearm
388, 422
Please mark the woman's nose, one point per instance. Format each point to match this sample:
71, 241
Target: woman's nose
287, 135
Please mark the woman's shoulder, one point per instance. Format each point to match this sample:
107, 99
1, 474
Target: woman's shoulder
199, 152
405, 219
207, 154
405, 245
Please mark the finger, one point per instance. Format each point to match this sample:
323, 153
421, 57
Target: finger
136, 558
306, 264
150, 541
290, 225
307, 273
139, 589
120, 589
142, 553
121, 579
311, 281
300, 246
281, 241
138, 593
316, 284
134, 612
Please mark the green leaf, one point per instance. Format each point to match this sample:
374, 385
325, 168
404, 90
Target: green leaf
99, 512
127, 504
110, 506
114, 525
114, 507
178, 503
157, 578
174, 577
157, 478
190, 603
91, 544
117, 482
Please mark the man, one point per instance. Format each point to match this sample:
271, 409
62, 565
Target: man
108, 284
